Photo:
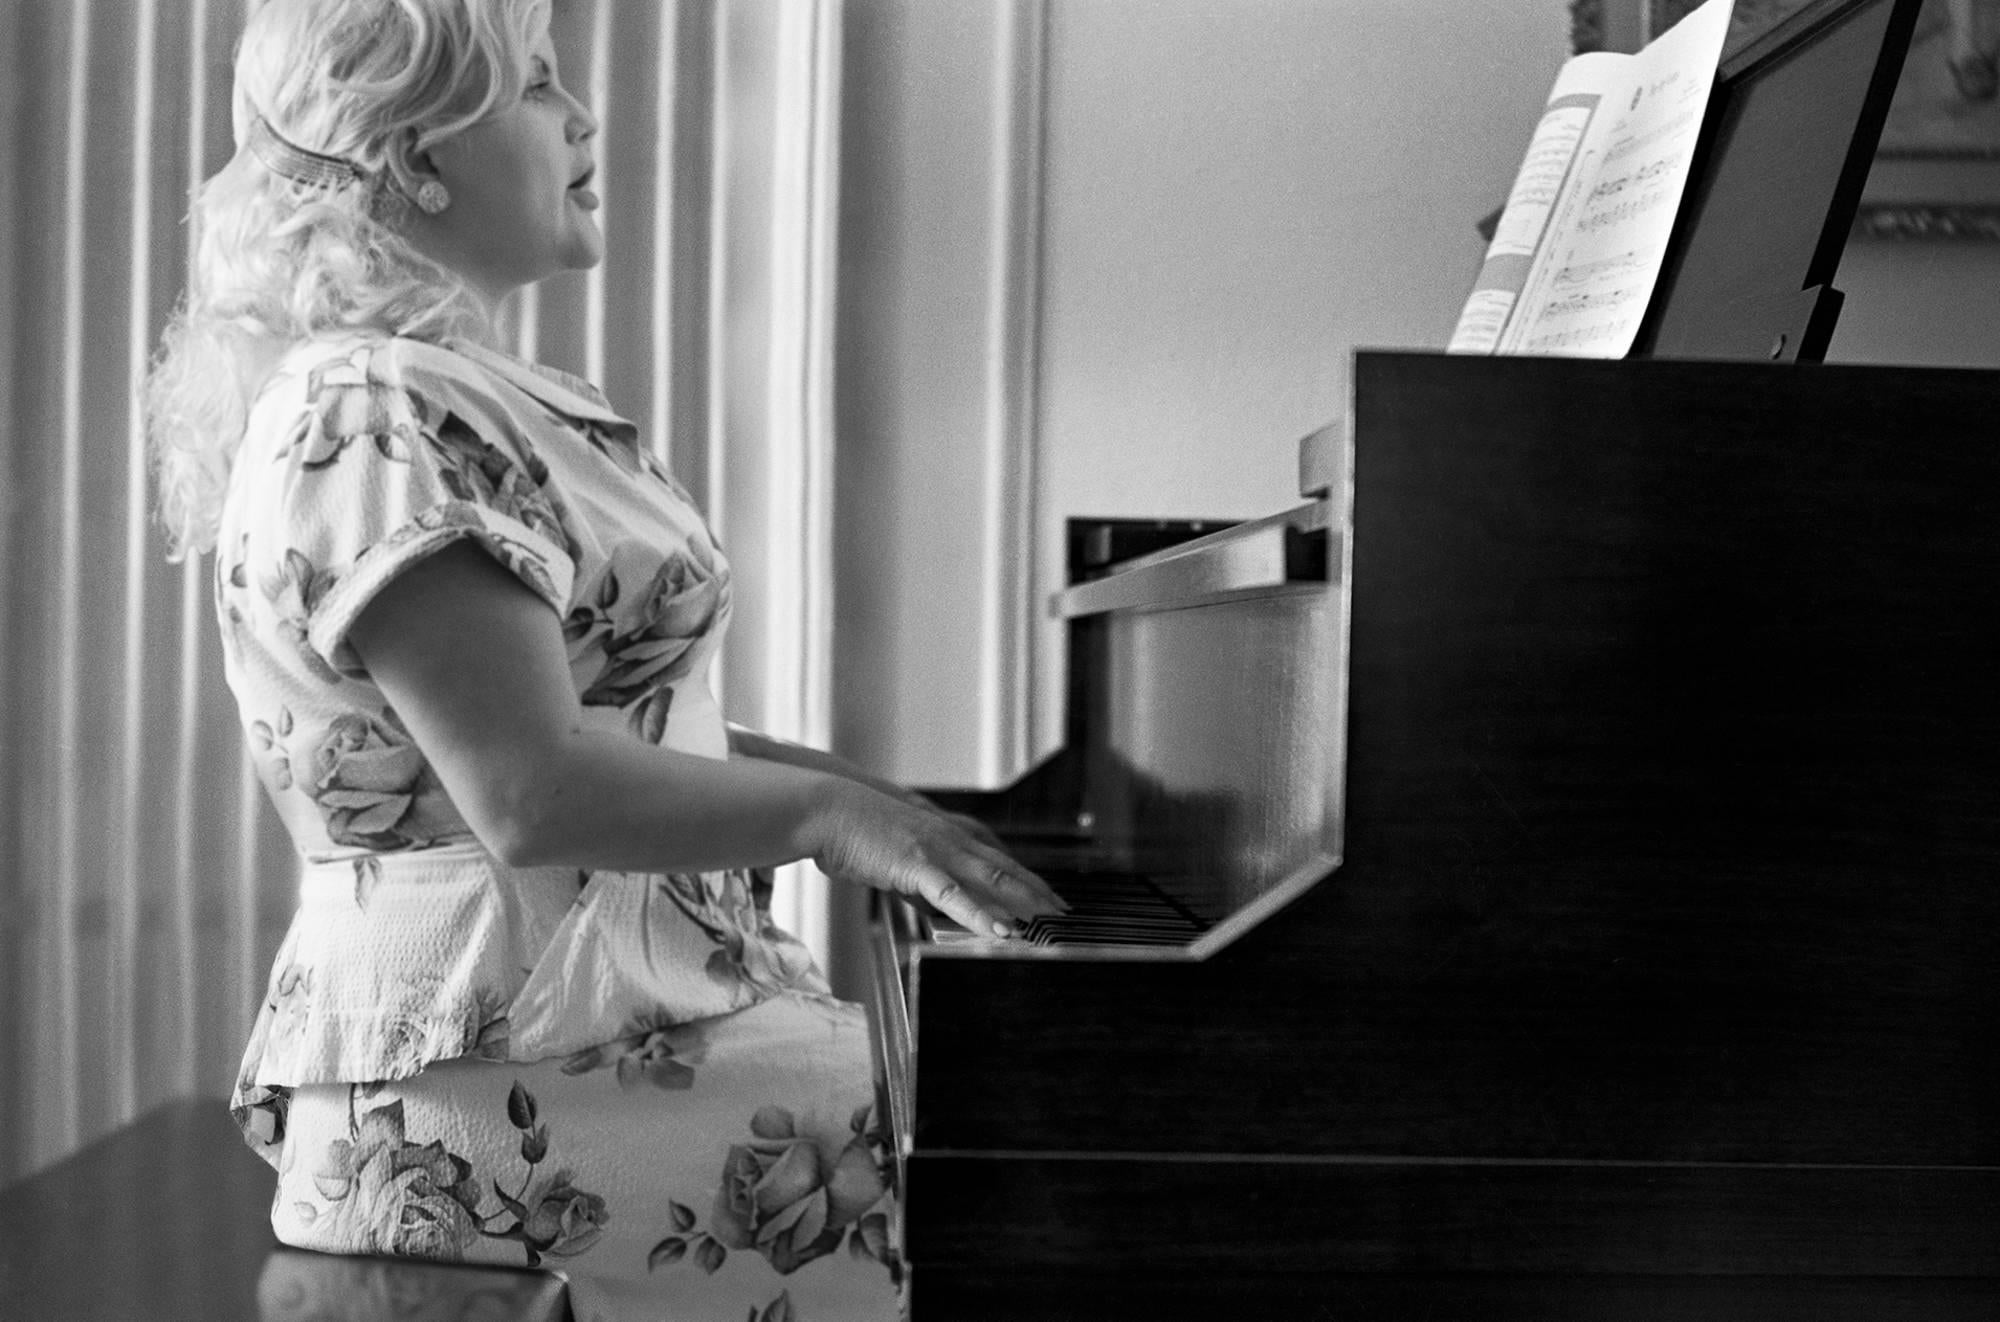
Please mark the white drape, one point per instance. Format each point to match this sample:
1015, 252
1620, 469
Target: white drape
144, 882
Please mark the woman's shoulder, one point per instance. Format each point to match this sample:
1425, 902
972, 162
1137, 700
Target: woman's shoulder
332, 388
376, 360
373, 383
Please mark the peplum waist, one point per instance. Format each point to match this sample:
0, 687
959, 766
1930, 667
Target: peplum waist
397, 960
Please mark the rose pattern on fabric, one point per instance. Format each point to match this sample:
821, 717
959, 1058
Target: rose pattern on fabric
647, 643
479, 473
268, 738
402, 1044
389, 1195
655, 1052
617, 1187
260, 1110
290, 999
783, 1197
232, 582
260, 1113
754, 957
489, 1030
778, 1310
619, 444
550, 1216
348, 406
294, 592
561, 1220
368, 780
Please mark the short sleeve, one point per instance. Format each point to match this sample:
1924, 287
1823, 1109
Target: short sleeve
379, 472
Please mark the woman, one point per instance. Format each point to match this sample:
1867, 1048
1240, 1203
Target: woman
533, 1009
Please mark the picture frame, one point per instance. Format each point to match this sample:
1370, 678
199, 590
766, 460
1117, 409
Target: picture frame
1937, 172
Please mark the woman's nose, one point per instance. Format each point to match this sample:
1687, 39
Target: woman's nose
583, 124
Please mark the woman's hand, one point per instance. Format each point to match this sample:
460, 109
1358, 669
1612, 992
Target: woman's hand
966, 822
745, 742
863, 835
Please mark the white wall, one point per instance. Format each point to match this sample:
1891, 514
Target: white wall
1238, 195
1127, 292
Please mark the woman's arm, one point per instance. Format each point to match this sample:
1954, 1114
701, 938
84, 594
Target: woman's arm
475, 665
745, 742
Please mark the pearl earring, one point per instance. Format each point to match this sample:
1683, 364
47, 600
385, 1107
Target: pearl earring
433, 197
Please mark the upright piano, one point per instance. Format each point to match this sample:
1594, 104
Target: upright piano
1553, 872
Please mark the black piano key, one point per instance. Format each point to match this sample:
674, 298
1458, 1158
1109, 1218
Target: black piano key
1136, 918
1126, 938
1072, 932
1110, 908
1087, 927
1106, 908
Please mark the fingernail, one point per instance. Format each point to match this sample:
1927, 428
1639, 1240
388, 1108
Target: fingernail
1003, 929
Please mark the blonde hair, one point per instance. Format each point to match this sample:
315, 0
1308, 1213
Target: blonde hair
375, 83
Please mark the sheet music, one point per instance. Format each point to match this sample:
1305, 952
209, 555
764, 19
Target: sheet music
1578, 249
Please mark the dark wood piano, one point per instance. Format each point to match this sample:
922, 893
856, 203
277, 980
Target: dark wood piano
1555, 873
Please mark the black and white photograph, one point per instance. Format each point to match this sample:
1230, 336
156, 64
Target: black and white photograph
999, 660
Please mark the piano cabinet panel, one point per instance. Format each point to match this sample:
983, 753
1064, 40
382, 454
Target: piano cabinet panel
1003, 1291
1195, 1220
1557, 1012
1715, 613
1009, 1295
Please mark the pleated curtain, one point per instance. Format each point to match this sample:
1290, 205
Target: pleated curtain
144, 881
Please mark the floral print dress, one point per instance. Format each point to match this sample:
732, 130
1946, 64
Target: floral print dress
635, 1078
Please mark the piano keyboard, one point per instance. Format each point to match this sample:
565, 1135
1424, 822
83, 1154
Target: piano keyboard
1106, 909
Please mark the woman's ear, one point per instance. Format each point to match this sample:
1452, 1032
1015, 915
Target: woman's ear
411, 168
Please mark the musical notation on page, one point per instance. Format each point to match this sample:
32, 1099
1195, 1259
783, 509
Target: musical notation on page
1577, 251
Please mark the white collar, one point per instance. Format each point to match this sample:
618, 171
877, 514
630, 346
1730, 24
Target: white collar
571, 396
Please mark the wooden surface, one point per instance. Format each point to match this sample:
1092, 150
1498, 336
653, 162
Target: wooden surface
167, 1220
1194, 1219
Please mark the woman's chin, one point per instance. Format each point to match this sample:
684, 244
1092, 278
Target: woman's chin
585, 251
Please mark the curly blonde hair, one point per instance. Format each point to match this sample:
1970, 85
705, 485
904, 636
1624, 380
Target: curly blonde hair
375, 83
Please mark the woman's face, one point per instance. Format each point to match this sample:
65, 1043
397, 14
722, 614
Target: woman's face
520, 210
